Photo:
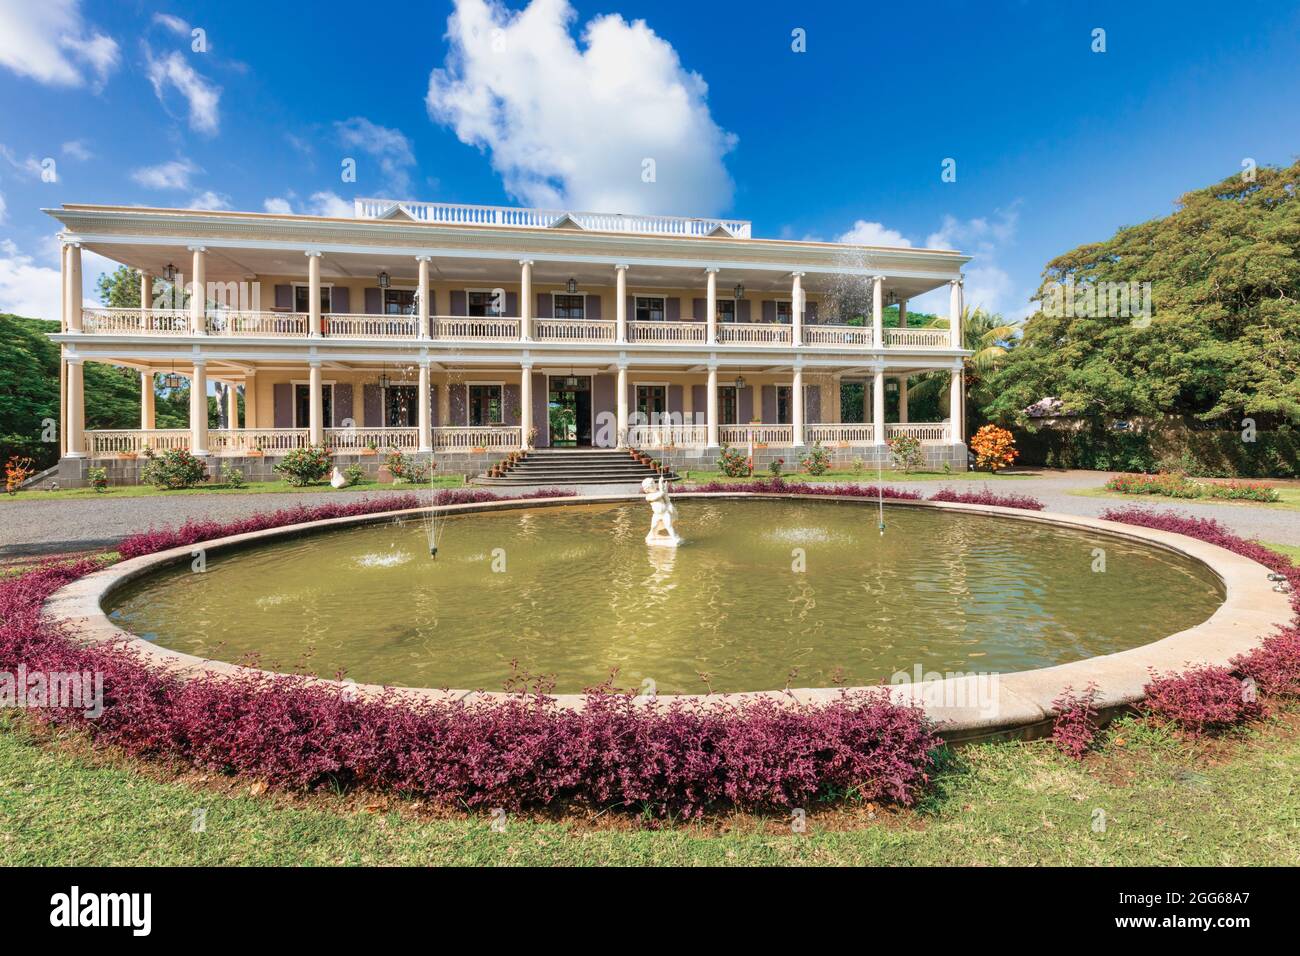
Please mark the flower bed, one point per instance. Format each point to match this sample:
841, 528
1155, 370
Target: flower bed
778, 486
193, 531
519, 751
986, 497
1173, 485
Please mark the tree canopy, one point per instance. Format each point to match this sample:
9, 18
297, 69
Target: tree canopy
1223, 336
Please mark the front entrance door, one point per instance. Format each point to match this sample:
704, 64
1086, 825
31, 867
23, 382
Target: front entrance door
569, 410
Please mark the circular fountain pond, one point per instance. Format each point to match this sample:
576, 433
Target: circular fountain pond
764, 594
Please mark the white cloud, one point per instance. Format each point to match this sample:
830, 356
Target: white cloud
30, 166
209, 200
322, 203
203, 97
26, 288
866, 233
175, 174
173, 23
388, 147
573, 126
48, 41
77, 149
2, 207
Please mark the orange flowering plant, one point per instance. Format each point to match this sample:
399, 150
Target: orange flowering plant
994, 448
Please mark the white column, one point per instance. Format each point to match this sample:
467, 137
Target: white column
424, 297
620, 303
426, 412
147, 417
878, 311
902, 313
711, 306
796, 317
837, 398
525, 405
711, 405
232, 405
315, 405
74, 287
796, 405
76, 410
955, 402
954, 312
199, 410
198, 295
526, 299
146, 300
902, 399
313, 296
250, 399
878, 409
63, 288
621, 405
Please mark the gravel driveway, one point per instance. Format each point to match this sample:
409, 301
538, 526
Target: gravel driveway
52, 527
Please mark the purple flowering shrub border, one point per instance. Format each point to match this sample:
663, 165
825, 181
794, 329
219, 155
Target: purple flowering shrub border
194, 530
779, 486
519, 751
1075, 726
986, 497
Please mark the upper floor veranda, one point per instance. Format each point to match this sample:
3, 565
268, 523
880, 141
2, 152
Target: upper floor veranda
496, 277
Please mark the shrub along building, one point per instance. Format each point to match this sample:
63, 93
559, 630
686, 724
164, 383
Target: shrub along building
467, 332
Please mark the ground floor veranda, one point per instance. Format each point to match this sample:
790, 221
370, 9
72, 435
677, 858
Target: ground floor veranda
468, 416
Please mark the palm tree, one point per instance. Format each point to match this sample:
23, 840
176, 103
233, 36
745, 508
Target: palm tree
988, 338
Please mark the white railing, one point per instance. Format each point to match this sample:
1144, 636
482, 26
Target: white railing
100, 442
271, 441
917, 338
103, 321
230, 322
379, 439
462, 328
358, 326
473, 438
854, 336
755, 333
673, 333
926, 431
508, 216
741, 435
574, 330
840, 435
668, 436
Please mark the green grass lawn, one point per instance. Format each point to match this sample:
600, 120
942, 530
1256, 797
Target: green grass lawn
1290, 550
1290, 498
867, 476
251, 488
1166, 802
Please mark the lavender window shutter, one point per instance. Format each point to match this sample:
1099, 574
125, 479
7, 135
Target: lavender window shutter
673, 310
769, 310
433, 302
810, 313
510, 404
459, 302
630, 305
593, 307
812, 404
433, 405
675, 400
602, 405
543, 305
742, 310
540, 420
512, 304
341, 301
700, 405
284, 297
283, 396
342, 404
769, 405
699, 309
745, 403
373, 301
459, 404
372, 410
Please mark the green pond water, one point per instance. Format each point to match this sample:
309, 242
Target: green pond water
574, 592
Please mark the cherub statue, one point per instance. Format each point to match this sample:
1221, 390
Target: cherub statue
662, 532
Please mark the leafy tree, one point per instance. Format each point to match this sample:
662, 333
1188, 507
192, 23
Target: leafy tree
1223, 339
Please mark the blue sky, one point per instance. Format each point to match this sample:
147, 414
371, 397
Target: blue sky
1055, 144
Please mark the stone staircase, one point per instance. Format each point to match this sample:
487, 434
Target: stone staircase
574, 466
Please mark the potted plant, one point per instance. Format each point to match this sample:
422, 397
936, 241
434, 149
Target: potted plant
370, 449
258, 449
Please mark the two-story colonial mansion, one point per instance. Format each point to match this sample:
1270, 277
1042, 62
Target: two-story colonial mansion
466, 332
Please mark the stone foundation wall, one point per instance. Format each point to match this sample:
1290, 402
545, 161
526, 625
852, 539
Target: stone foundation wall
74, 472
842, 459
